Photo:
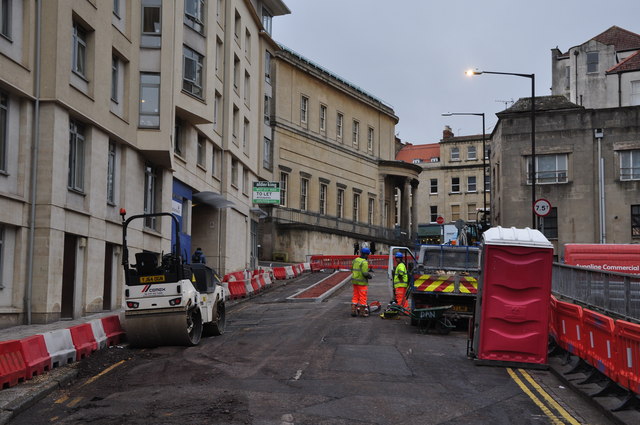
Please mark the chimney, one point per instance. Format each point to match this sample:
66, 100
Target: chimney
447, 133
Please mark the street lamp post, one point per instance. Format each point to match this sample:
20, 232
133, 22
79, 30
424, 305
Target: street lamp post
533, 131
484, 160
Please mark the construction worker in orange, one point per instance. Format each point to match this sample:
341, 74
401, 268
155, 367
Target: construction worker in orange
360, 276
400, 281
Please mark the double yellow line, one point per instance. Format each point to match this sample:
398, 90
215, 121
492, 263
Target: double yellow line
548, 405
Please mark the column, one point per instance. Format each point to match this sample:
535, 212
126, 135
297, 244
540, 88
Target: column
414, 209
404, 207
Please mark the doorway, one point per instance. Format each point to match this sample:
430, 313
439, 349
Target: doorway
68, 276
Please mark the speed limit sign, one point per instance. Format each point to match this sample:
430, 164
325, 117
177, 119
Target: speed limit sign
542, 207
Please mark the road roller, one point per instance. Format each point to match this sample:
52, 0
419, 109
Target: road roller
169, 302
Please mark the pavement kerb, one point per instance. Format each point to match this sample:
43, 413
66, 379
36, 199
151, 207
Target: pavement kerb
323, 296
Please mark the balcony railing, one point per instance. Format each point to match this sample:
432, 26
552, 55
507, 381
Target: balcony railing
331, 224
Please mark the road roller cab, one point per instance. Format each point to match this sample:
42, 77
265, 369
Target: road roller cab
168, 302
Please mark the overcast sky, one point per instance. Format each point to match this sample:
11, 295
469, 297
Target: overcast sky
412, 54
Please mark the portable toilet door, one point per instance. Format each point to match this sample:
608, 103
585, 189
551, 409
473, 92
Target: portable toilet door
514, 296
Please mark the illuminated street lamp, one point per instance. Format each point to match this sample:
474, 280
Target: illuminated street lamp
472, 72
484, 160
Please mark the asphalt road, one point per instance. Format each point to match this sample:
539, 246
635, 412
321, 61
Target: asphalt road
290, 363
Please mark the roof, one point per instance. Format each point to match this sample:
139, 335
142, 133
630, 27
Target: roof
543, 103
631, 63
470, 138
620, 38
423, 152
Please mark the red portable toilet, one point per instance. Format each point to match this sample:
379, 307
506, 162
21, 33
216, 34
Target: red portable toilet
512, 311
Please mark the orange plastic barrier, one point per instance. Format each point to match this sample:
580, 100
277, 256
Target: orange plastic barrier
237, 289
36, 357
569, 326
319, 262
12, 367
229, 277
279, 273
553, 327
255, 285
83, 340
113, 330
628, 356
599, 345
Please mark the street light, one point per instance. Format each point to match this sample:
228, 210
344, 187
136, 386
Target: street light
472, 72
484, 160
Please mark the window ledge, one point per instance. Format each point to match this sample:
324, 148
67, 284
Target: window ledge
202, 167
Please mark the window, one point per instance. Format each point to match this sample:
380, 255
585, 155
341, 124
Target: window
111, 173
5, 21
236, 124
635, 221
247, 43
4, 112
116, 7
220, 11
245, 134
592, 62
178, 137
635, 93
267, 17
194, 14
217, 103
630, 165
433, 188
267, 66
304, 109
2, 242
75, 179
433, 212
340, 203
455, 184
192, 72
267, 155
115, 71
471, 212
79, 50
150, 195
455, 154
549, 169
549, 224
323, 117
339, 121
304, 191
323, 198
151, 23
356, 207
267, 109
355, 136
245, 180
567, 77
471, 152
247, 88
236, 72
237, 26
201, 151
284, 184
370, 136
215, 161
371, 208
234, 172
471, 183
455, 212
487, 183
149, 100
219, 57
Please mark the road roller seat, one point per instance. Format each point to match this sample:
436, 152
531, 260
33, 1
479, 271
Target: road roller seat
146, 263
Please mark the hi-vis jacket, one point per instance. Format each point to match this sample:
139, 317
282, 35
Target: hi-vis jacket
400, 277
360, 271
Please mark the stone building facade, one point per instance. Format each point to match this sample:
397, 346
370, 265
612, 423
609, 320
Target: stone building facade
334, 156
587, 167
146, 105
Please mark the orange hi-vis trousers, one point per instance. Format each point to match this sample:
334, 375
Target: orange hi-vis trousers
400, 297
360, 294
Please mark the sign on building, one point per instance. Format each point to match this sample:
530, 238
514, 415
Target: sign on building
266, 192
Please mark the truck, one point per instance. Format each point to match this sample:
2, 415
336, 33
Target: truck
442, 275
169, 302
